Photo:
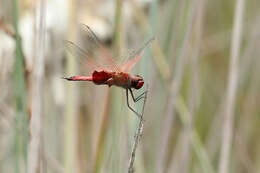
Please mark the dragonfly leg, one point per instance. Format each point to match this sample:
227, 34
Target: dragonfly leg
109, 82
130, 106
141, 96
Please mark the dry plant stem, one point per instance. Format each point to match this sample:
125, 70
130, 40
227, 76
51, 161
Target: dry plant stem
248, 58
167, 122
71, 103
159, 57
34, 156
197, 146
232, 88
117, 39
138, 135
242, 153
52, 163
182, 160
102, 133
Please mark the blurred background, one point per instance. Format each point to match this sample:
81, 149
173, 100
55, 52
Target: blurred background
201, 114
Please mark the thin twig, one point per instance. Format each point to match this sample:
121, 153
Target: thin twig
138, 135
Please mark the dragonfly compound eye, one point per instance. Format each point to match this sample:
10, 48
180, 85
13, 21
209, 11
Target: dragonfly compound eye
139, 84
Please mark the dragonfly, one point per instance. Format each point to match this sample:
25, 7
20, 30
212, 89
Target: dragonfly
105, 70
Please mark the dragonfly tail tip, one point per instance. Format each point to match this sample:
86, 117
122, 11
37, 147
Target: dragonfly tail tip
64, 78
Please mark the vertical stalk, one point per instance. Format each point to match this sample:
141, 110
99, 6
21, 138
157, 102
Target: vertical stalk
194, 89
101, 138
227, 134
138, 134
71, 101
167, 120
35, 145
170, 29
104, 124
117, 119
117, 38
20, 100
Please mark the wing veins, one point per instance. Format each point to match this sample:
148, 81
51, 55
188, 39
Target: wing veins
134, 57
95, 40
84, 56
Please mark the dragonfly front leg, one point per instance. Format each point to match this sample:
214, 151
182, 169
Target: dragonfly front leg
141, 96
129, 105
109, 82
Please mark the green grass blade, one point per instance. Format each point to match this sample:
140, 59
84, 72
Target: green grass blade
20, 102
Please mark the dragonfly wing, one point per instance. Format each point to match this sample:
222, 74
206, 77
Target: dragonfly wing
134, 57
83, 57
95, 44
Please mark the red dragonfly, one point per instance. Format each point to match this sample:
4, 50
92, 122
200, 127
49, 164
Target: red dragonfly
108, 72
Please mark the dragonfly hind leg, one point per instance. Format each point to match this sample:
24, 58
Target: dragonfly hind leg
143, 95
130, 106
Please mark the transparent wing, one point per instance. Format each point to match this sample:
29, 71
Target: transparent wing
83, 57
134, 57
93, 43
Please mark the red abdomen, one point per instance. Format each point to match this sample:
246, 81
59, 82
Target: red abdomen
100, 77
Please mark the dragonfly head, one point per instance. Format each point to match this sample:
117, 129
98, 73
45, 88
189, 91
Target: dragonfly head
137, 82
